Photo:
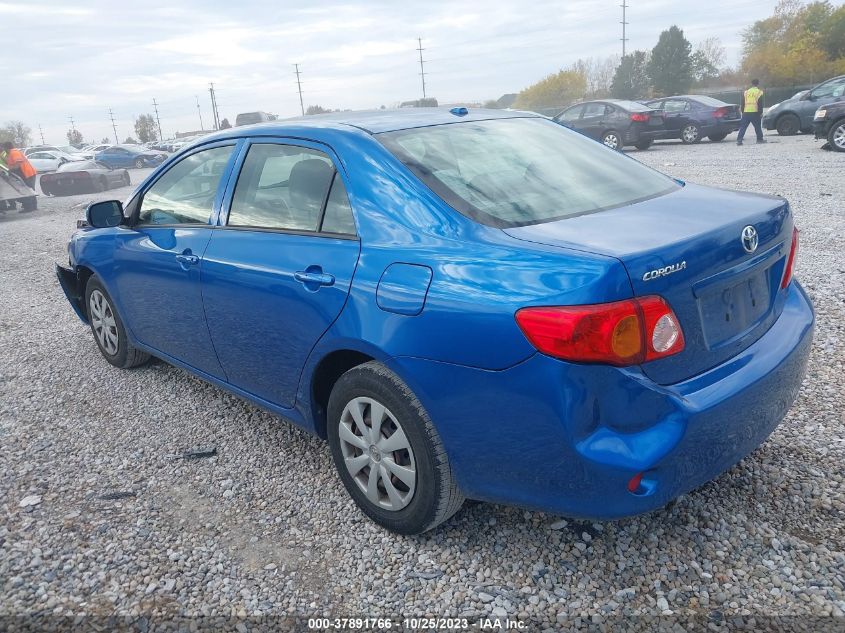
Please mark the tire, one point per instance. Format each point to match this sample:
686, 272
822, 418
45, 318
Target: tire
717, 138
836, 136
612, 140
427, 494
29, 204
139, 163
110, 336
788, 125
643, 145
690, 134
104, 184
127, 180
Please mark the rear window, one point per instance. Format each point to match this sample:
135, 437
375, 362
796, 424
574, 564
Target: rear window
632, 106
515, 172
710, 101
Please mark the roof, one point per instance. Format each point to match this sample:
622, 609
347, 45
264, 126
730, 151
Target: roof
377, 121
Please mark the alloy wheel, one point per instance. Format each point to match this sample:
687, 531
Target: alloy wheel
103, 322
838, 136
377, 453
690, 134
611, 140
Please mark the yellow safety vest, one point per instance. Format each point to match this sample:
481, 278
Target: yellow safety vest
751, 97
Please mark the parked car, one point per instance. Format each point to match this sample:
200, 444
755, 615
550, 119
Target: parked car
615, 122
693, 117
249, 118
87, 176
478, 304
49, 161
117, 156
89, 151
65, 149
796, 114
829, 123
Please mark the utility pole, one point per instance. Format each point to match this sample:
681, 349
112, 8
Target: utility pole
72, 124
624, 6
422, 67
114, 127
199, 112
299, 87
155, 107
43, 142
214, 114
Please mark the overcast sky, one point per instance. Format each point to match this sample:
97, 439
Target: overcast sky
79, 58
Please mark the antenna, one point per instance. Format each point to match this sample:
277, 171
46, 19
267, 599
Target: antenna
624, 6
422, 67
299, 87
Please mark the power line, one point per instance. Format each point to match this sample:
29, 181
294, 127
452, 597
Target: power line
114, 126
155, 107
624, 6
422, 67
214, 114
299, 87
199, 112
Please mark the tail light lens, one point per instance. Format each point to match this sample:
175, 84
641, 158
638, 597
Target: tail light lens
721, 112
790, 261
638, 116
621, 333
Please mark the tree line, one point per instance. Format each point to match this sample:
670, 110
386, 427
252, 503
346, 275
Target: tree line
798, 44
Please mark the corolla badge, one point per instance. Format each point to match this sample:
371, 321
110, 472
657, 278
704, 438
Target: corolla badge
666, 270
750, 239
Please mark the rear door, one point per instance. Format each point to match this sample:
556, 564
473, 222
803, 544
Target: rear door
676, 115
277, 271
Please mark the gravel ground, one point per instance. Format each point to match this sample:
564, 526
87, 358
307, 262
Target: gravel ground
98, 519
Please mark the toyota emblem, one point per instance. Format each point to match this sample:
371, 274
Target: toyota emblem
750, 239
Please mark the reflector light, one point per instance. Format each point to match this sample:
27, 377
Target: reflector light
790, 262
634, 483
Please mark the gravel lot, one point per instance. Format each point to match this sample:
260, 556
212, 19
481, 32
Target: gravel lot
265, 527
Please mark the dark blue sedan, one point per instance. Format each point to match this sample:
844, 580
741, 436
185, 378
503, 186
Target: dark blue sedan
475, 304
693, 117
127, 156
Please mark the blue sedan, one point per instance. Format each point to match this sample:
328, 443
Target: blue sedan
127, 156
478, 305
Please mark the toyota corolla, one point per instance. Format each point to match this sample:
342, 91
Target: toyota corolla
477, 304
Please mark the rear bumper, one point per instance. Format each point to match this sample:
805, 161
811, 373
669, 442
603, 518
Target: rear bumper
567, 438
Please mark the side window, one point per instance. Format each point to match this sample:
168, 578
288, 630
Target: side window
572, 114
827, 89
675, 105
185, 193
338, 215
281, 187
593, 110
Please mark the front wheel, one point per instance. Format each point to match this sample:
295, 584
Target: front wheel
788, 125
388, 453
836, 136
139, 163
612, 140
717, 138
691, 134
108, 330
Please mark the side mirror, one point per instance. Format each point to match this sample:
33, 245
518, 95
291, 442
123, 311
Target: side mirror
102, 215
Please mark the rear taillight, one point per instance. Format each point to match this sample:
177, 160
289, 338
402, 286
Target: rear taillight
790, 261
721, 112
621, 333
637, 116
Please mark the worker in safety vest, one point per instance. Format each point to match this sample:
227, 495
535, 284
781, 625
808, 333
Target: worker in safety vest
752, 111
18, 163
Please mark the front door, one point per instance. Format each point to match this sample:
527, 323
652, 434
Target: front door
277, 275
676, 116
593, 120
158, 262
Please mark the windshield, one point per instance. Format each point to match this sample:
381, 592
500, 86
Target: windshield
514, 172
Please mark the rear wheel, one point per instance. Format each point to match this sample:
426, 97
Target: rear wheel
139, 163
717, 138
612, 140
836, 136
643, 145
387, 452
108, 330
788, 125
691, 134
29, 204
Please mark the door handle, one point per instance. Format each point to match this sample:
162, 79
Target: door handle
308, 277
188, 259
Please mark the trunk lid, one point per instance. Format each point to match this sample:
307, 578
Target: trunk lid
687, 247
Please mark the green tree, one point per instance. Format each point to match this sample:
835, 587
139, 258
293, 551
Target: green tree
631, 81
130, 141
105, 140
557, 90
707, 60
225, 125
146, 128
16, 132
74, 137
833, 34
670, 66
315, 109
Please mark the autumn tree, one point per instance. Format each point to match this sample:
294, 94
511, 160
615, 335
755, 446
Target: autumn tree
146, 128
74, 137
631, 81
556, 90
670, 66
707, 60
16, 132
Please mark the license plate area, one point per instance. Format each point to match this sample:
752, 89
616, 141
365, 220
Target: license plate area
729, 312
